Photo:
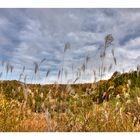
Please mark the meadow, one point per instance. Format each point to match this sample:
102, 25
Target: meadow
111, 105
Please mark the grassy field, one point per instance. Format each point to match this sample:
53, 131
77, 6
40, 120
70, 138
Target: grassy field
106, 106
111, 105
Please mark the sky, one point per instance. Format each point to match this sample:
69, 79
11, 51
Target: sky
27, 36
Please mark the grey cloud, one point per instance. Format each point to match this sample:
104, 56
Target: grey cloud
29, 35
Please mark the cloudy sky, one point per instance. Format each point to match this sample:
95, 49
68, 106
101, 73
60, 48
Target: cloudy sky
27, 36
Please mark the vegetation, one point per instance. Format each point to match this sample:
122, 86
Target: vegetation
111, 105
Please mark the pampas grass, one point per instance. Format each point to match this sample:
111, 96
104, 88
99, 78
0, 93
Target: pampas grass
101, 106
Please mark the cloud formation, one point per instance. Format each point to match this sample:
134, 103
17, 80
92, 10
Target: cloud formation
29, 35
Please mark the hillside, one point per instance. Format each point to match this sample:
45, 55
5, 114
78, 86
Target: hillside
113, 86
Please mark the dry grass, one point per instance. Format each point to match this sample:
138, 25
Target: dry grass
81, 115
103, 106
35, 123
